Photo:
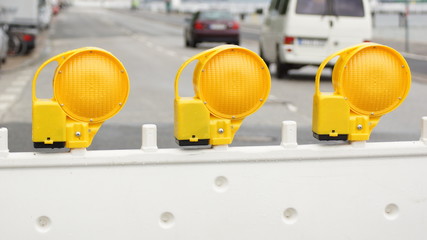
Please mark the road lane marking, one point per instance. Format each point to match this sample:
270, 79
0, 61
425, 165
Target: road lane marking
11, 93
149, 44
3, 107
292, 107
7, 97
275, 100
20, 83
171, 53
12, 89
159, 48
139, 38
126, 31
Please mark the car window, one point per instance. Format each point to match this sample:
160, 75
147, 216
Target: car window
352, 8
216, 15
274, 5
315, 7
195, 16
42, 3
283, 7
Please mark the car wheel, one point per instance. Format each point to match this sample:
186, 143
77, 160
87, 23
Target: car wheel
261, 54
14, 45
187, 43
26, 48
236, 42
193, 43
281, 68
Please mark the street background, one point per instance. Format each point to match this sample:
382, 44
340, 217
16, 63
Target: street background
151, 47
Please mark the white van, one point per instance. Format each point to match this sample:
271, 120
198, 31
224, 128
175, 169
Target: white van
296, 33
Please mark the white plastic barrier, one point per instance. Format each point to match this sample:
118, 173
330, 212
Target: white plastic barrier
326, 191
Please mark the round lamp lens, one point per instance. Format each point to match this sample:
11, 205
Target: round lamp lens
91, 85
375, 80
234, 83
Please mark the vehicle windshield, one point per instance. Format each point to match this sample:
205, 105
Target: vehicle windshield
216, 15
314, 7
351, 8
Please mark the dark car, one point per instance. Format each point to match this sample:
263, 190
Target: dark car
21, 40
212, 26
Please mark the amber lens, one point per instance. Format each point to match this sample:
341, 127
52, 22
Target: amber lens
234, 83
375, 80
91, 86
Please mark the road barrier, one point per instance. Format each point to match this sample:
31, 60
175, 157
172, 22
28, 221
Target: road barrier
357, 190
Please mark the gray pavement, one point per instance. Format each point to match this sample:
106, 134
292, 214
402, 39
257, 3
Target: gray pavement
152, 51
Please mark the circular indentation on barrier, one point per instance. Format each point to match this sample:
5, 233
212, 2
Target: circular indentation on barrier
391, 211
290, 216
221, 184
43, 224
167, 220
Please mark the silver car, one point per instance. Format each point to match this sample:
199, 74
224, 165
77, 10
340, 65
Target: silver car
3, 45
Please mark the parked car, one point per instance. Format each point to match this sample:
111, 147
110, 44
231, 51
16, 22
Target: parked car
296, 33
25, 19
3, 44
212, 26
21, 40
45, 14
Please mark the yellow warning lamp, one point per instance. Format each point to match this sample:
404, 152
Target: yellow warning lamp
369, 81
230, 83
90, 85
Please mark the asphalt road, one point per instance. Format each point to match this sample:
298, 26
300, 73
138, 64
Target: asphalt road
152, 51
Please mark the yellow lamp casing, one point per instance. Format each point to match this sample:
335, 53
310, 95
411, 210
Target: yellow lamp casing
230, 83
90, 85
369, 80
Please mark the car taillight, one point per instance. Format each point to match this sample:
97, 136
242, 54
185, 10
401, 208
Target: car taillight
366, 40
27, 37
198, 25
288, 40
235, 25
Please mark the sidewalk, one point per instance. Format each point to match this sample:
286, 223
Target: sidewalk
417, 51
387, 31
